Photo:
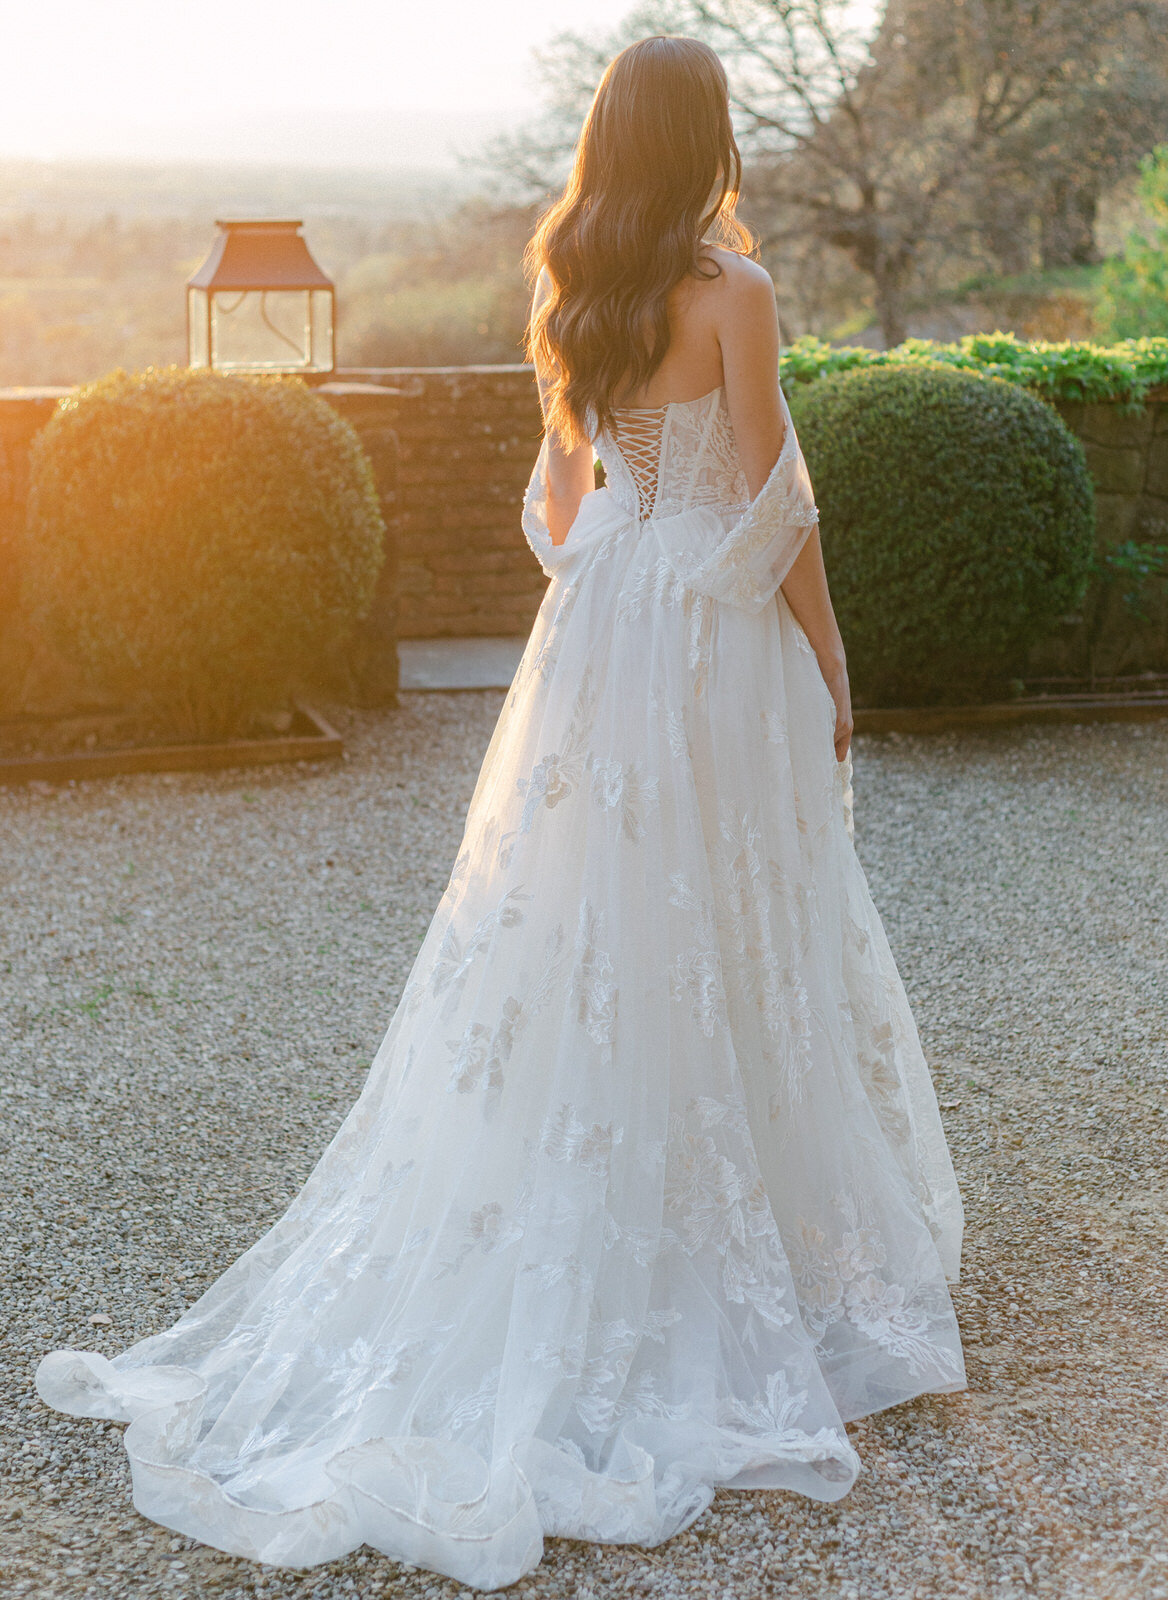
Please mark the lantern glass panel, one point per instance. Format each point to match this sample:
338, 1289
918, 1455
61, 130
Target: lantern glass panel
260, 330
198, 339
322, 330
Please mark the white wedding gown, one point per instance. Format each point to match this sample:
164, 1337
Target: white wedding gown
646, 1191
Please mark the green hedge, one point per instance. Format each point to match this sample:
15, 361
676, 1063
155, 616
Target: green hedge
957, 518
198, 541
1067, 371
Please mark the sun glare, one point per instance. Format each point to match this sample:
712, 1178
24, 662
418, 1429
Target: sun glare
156, 78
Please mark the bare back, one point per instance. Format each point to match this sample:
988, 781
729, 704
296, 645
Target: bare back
724, 334
693, 363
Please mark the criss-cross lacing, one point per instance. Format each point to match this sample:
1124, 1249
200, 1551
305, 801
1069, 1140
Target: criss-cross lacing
638, 431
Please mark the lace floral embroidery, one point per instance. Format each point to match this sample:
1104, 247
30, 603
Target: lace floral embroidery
564, 1138
842, 1281
723, 1205
695, 975
557, 774
746, 564
455, 959
624, 787
488, 1229
881, 1078
593, 982
701, 460
481, 1054
447, 1416
654, 586
544, 659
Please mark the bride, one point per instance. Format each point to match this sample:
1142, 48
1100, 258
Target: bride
646, 1192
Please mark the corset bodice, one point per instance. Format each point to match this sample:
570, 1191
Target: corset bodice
662, 460
674, 471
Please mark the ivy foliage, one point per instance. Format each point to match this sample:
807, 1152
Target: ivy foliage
1069, 370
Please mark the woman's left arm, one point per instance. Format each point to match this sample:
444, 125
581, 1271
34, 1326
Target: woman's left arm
570, 473
805, 591
749, 338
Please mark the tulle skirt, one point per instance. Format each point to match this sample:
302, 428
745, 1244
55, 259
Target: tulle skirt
646, 1191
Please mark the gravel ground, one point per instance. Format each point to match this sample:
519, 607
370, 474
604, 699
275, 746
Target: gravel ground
196, 970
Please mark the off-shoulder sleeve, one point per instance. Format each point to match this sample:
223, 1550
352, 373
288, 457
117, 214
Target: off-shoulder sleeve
535, 526
746, 564
598, 518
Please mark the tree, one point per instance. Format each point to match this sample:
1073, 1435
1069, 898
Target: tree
530, 165
1134, 301
870, 131
1040, 192
876, 142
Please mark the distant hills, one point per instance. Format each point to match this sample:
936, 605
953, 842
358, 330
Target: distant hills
346, 159
91, 190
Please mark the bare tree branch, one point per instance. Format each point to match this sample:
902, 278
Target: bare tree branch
885, 136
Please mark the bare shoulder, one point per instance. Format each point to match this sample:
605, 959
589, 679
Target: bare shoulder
739, 278
741, 298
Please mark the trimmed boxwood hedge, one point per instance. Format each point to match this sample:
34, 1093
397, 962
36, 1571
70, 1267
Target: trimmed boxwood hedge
957, 519
198, 541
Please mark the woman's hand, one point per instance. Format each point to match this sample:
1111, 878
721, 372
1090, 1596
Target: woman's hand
835, 674
805, 591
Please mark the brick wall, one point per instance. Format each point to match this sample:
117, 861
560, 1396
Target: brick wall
34, 677
1127, 454
467, 441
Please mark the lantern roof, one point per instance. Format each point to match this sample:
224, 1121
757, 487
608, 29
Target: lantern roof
259, 255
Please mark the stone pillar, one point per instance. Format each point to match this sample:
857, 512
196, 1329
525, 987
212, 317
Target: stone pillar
33, 675
23, 413
366, 672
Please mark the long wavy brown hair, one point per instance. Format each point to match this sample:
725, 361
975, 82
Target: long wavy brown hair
657, 173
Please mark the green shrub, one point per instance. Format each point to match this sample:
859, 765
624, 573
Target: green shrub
198, 541
957, 522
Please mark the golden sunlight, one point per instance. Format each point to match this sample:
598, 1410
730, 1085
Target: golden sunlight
353, 82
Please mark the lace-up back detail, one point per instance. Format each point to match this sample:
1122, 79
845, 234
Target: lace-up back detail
638, 435
661, 460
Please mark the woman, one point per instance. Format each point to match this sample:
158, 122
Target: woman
646, 1191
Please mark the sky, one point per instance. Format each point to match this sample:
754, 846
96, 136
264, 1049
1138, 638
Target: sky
321, 81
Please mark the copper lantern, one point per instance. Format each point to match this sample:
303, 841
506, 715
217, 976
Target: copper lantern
260, 303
